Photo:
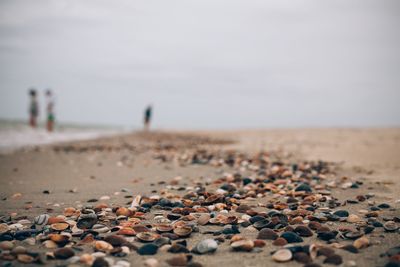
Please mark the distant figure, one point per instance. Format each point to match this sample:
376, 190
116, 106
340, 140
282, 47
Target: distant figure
33, 108
147, 117
50, 111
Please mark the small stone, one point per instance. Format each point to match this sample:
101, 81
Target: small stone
302, 257
303, 187
390, 226
100, 262
148, 249
342, 213
303, 231
206, 246
362, 242
352, 218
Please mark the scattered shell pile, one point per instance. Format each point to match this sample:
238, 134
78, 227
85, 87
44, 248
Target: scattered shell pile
285, 204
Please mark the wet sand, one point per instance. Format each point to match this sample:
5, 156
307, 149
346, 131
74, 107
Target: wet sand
125, 166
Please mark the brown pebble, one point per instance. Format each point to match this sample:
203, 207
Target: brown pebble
267, 234
304, 231
302, 257
179, 260
259, 243
64, 253
279, 242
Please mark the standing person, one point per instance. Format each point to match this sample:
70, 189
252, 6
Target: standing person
147, 117
33, 108
50, 110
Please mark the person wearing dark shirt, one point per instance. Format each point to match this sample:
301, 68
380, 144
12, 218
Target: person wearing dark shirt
147, 117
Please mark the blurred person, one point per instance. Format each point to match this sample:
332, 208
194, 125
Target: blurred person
33, 108
50, 110
147, 117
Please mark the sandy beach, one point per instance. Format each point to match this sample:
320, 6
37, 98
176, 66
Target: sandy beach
50, 178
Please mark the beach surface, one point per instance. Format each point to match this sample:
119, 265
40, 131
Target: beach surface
112, 170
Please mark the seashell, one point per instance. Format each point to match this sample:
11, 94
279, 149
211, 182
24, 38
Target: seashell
259, 243
352, 218
314, 225
63, 253
326, 236
124, 212
16, 227
41, 219
390, 226
86, 259
50, 244
61, 226
101, 262
126, 231
6, 245
148, 249
213, 199
342, 213
282, 255
115, 240
89, 238
243, 245
353, 234
86, 220
100, 228
304, 231
203, 219
205, 246
59, 238
103, 246
24, 258
76, 231
262, 224
70, 211
164, 228
4, 228
136, 201
139, 228
361, 242
229, 220
178, 248
267, 234
147, 236
279, 242
183, 231
291, 237
151, 262
57, 219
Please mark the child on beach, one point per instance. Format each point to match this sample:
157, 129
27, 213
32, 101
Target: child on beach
33, 108
50, 111
147, 117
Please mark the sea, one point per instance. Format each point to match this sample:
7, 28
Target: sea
18, 134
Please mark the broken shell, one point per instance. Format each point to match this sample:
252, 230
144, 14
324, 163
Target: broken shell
282, 255
147, 236
183, 231
390, 226
50, 244
59, 238
103, 246
70, 211
243, 245
61, 226
164, 228
126, 231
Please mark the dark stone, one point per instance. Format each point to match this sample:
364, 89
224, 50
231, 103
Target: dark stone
342, 213
326, 236
303, 187
148, 249
267, 234
100, 262
291, 237
334, 259
303, 231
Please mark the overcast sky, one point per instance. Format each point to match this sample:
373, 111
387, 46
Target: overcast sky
204, 64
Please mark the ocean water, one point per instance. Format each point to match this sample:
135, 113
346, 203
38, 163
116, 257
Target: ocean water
16, 134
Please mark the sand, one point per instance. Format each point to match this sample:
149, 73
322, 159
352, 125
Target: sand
77, 172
